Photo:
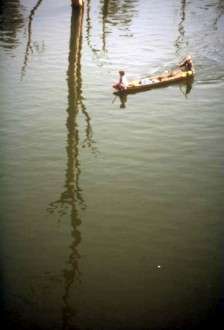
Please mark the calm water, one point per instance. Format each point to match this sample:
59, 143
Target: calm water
111, 210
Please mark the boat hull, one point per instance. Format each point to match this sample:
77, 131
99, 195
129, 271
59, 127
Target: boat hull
162, 80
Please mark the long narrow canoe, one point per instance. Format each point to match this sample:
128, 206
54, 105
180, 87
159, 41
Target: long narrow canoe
162, 80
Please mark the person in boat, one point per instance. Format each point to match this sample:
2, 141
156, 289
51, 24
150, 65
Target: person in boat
122, 83
186, 64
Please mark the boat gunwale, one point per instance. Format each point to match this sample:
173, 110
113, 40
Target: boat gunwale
180, 76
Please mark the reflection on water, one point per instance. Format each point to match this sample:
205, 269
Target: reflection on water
11, 21
117, 12
180, 39
72, 195
105, 11
71, 199
29, 47
89, 27
98, 52
154, 192
186, 87
112, 13
123, 100
220, 13
73, 192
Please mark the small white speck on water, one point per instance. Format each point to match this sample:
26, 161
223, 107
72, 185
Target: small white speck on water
158, 266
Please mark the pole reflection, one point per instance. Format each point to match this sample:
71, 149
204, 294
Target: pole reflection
71, 199
72, 196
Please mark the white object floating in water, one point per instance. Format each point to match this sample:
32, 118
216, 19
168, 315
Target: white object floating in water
158, 266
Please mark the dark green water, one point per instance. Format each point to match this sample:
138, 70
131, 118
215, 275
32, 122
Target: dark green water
111, 211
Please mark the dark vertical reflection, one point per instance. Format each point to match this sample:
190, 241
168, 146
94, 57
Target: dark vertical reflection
181, 31
123, 100
88, 21
119, 12
220, 13
71, 199
113, 12
88, 24
105, 9
186, 87
72, 194
89, 28
29, 48
11, 21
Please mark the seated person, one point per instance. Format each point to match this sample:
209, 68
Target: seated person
122, 83
186, 64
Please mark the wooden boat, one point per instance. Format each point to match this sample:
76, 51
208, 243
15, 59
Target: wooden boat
162, 80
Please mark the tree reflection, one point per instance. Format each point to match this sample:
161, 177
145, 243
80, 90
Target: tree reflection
119, 12
11, 21
29, 48
181, 31
71, 199
95, 50
113, 13
220, 13
105, 9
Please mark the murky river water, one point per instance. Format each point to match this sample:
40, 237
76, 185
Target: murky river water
111, 210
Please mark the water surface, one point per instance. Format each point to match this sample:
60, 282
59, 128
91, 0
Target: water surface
111, 210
